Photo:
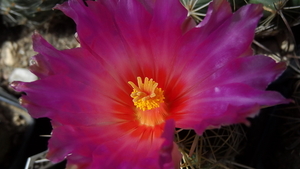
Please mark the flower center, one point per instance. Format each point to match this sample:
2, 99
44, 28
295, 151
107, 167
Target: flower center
149, 101
146, 96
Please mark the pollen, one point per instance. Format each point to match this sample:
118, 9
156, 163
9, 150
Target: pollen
146, 96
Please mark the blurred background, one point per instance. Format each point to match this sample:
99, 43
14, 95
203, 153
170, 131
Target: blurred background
272, 141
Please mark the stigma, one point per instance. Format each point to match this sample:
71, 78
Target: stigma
146, 95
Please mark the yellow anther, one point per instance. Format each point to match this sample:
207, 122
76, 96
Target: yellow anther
147, 95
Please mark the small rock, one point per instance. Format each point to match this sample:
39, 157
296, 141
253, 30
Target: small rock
21, 74
6, 54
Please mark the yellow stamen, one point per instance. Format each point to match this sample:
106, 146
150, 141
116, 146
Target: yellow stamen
149, 101
146, 96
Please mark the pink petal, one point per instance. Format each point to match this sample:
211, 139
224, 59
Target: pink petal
96, 29
170, 156
76, 63
256, 71
110, 148
165, 32
225, 104
111, 41
134, 30
148, 4
223, 44
66, 101
229, 95
218, 12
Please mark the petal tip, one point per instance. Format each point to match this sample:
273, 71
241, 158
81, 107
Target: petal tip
17, 85
36, 37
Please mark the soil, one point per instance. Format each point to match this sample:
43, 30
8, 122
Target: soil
12, 129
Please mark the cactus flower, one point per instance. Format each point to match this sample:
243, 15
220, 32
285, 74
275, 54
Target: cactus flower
143, 68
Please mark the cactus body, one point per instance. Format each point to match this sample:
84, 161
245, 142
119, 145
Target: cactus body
21, 12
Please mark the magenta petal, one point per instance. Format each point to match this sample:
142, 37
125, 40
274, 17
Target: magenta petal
137, 39
170, 156
102, 38
256, 71
165, 32
188, 24
76, 63
118, 45
83, 105
148, 4
136, 16
218, 12
226, 104
222, 45
115, 151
